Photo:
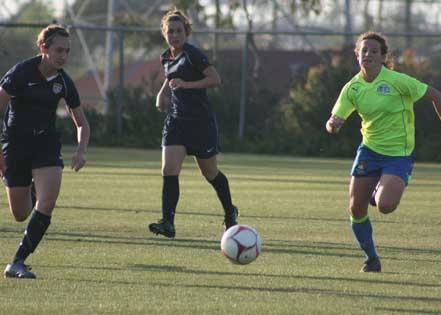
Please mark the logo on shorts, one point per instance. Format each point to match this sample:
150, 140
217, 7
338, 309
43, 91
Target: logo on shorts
56, 88
383, 89
360, 169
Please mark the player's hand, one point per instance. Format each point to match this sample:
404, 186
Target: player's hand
162, 105
334, 124
78, 161
177, 84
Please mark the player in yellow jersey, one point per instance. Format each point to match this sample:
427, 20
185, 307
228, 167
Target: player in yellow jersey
384, 100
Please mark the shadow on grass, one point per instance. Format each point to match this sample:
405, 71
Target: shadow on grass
240, 273
320, 291
243, 215
405, 310
317, 249
219, 214
271, 246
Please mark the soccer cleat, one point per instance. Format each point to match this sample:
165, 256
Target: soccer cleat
163, 227
33, 195
18, 270
371, 265
231, 220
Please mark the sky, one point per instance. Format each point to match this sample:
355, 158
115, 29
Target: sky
8, 7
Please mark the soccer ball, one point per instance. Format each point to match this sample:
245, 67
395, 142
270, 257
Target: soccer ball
241, 244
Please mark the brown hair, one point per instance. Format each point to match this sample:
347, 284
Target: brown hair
47, 35
176, 15
388, 62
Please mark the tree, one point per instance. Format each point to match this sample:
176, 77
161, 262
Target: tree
21, 41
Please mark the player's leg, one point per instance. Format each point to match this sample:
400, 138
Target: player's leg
205, 147
47, 183
209, 169
172, 158
389, 192
20, 202
18, 177
396, 173
360, 192
20, 206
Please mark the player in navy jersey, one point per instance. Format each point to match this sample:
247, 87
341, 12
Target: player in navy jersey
31, 150
190, 127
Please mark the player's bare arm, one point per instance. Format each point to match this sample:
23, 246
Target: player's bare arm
83, 134
334, 124
211, 79
434, 96
162, 99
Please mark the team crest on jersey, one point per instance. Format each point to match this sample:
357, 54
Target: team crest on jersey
56, 88
383, 89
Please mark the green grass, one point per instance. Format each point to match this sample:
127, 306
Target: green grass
98, 257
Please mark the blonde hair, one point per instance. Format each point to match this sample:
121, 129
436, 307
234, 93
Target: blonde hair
176, 15
388, 62
47, 35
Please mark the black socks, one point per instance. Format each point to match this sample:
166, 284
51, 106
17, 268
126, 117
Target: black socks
170, 196
33, 234
220, 184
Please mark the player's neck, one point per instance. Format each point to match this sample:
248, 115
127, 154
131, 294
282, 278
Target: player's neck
175, 52
46, 69
370, 74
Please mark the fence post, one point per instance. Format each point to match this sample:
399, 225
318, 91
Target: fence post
120, 94
243, 88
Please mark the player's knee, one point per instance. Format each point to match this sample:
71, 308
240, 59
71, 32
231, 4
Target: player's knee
21, 216
209, 174
386, 207
170, 171
356, 213
46, 206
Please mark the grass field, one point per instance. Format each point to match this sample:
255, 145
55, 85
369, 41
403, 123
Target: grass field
98, 257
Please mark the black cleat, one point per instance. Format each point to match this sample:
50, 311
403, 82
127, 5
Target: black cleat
18, 270
231, 220
163, 227
33, 195
371, 265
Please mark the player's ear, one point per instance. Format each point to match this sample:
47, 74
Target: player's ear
43, 47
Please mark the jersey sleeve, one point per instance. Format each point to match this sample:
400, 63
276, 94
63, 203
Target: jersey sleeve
199, 59
412, 87
343, 107
72, 97
12, 81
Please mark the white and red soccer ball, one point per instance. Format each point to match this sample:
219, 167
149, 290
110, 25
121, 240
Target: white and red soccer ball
241, 244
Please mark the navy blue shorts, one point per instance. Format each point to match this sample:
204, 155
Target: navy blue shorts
199, 137
25, 152
368, 163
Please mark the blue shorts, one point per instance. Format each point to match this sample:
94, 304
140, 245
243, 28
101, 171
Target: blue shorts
25, 152
199, 137
368, 163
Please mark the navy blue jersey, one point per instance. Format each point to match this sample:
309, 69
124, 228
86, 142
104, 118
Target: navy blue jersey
34, 99
188, 66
